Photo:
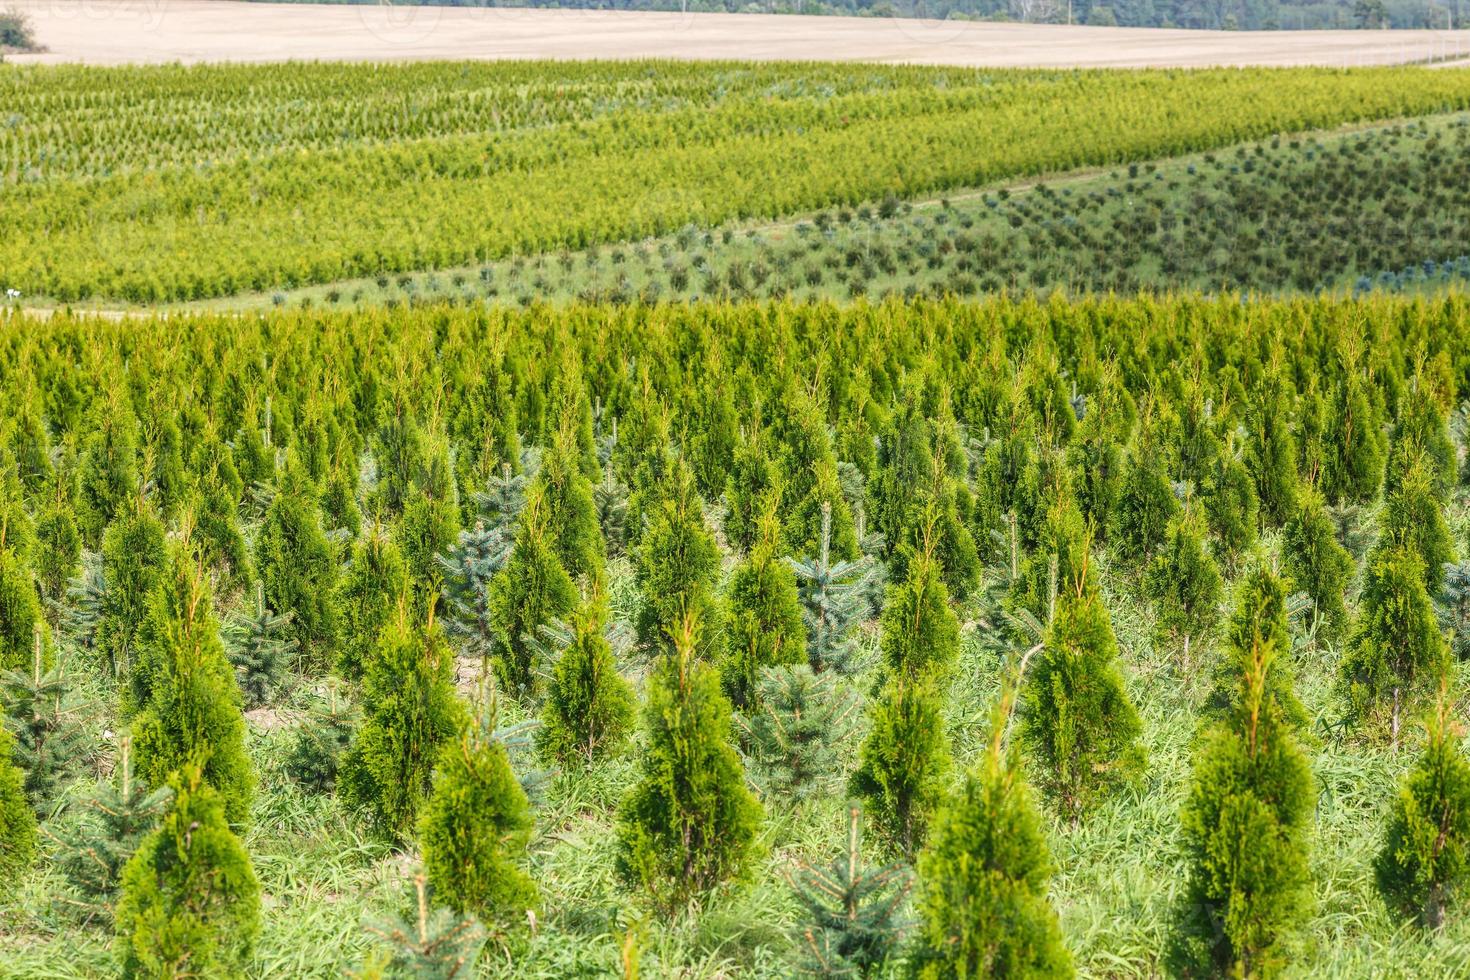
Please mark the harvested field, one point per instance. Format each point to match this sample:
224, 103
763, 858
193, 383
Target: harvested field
153, 31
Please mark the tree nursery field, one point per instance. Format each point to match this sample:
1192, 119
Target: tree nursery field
643, 519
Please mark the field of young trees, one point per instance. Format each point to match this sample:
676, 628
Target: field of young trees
183, 183
957, 638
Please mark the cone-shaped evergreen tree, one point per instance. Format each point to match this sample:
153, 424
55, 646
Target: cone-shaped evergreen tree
753, 481
190, 901
261, 648
20, 613
109, 471
17, 819
530, 592
1146, 504
1271, 448
47, 739
296, 563
183, 693
610, 497
1413, 517
904, 761
1185, 582
571, 513
1317, 563
112, 821
1453, 604
983, 878
920, 633
1396, 650
852, 909
833, 604
375, 584
1420, 430
678, 569
795, 728
475, 828
1231, 507
590, 708
1354, 444
134, 559
1245, 824
763, 616
689, 825
1259, 618
409, 712
322, 740
1424, 864
58, 552
217, 533
427, 529
1077, 719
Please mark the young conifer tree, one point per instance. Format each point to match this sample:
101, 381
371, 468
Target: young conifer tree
1259, 617
185, 701
475, 827
109, 470
410, 711
1397, 651
853, 910
112, 821
58, 552
1146, 506
1246, 823
1184, 581
134, 559
1413, 517
261, 649
984, 874
1453, 604
571, 512
299, 569
689, 825
1077, 719
20, 613
1318, 564
430, 943
763, 612
904, 760
1420, 431
795, 729
833, 603
1424, 863
590, 708
376, 581
529, 593
17, 819
920, 632
1231, 507
678, 570
1271, 450
190, 902
47, 739
1354, 444
315, 757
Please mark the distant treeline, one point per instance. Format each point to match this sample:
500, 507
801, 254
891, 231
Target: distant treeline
1244, 15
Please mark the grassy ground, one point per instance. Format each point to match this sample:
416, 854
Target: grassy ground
1118, 877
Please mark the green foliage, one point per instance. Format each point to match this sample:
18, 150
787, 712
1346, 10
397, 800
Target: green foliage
475, 828
17, 819
47, 737
184, 700
20, 612
1396, 650
1077, 719
58, 551
1231, 507
852, 910
109, 472
1355, 445
1413, 518
376, 583
795, 728
904, 762
110, 823
1317, 564
299, 570
190, 902
763, 618
260, 649
134, 560
983, 880
1271, 449
321, 743
920, 633
409, 712
427, 528
430, 944
590, 708
1184, 581
678, 570
1259, 618
833, 604
571, 512
1246, 822
1425, 858
1146, 505
528, 593
1453, 605
689, 824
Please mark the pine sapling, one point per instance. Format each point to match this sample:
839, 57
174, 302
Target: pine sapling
589, 708
763, 612
47, 738
321, 742
431, 944
261, 649
796, 729
832, 605
853, 910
